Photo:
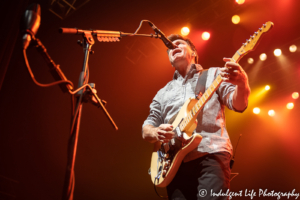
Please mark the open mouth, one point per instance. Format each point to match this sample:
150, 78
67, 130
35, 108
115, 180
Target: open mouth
176, 51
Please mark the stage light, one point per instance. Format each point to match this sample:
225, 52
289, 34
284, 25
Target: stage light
295, 95
250, 60
263, 56
267, 87
293, 48
290, 106
205, 35
185, 31
271, 113
256, 110
240, 1
277, 52
235, 19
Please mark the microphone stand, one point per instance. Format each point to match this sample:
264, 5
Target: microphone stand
88, 41
68, 189
83, 94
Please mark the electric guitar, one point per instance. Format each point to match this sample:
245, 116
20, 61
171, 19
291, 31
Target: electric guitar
167, 157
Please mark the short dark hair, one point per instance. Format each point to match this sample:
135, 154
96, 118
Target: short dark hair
173, 37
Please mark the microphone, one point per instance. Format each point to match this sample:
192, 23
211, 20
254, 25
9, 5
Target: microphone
165, 40
30, 23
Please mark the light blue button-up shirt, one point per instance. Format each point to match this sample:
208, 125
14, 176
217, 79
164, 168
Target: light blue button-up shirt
211, 124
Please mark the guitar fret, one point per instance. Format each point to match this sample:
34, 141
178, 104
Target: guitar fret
194, 110
214, 84
199, 104
208, 92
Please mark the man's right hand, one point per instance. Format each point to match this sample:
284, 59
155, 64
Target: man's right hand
163, 133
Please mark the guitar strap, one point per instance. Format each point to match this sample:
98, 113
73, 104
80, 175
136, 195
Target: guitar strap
200, 87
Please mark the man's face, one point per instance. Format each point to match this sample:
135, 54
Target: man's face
182, 54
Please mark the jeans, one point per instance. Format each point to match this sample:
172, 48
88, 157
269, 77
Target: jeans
200, 178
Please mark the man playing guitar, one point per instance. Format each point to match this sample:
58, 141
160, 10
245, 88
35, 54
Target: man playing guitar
207, 166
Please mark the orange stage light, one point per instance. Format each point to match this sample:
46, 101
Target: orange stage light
290, 106
205, 35
185, 31
235, 19
295, 95
256, 110
267, 87
240, 1
271, 113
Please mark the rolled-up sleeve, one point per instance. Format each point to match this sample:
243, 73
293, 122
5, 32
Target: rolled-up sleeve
225, 92
155, 116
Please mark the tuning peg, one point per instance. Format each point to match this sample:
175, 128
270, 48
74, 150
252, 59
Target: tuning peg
248, 41
260, 29
244, 44
264, 25
252, 36
255, 33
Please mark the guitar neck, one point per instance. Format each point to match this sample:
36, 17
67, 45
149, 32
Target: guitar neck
250, 44
207, 95
201, 102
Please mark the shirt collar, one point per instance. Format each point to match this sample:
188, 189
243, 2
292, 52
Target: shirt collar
195, 68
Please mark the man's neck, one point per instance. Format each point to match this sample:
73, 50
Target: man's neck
184, 69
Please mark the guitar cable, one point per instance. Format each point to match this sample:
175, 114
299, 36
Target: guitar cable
232, 159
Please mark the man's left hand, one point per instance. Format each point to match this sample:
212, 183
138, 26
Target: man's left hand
234, 73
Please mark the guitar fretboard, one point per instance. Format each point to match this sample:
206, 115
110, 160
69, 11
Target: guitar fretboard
245, 48
201, 102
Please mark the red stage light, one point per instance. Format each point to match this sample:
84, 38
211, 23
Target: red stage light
185, 31
295, 95
240, 1
205, 35
263, 56
256, 110
293, 48
267, 87
277, 52
236, 19
271, 113
290, 106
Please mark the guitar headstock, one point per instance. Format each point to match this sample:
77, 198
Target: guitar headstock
252, 42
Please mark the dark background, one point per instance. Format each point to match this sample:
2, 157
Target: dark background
35, 121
